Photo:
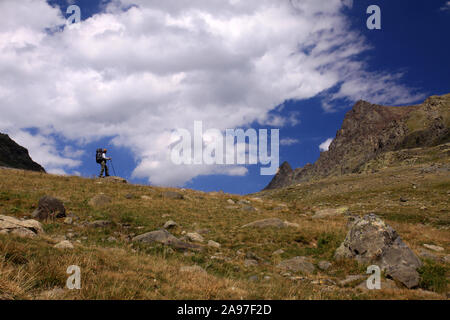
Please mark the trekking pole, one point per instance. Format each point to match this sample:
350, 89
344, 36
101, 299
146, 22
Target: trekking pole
113, 168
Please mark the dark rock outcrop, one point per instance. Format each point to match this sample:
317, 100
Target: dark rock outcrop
370, 130
282, 178
15, 156
49, 208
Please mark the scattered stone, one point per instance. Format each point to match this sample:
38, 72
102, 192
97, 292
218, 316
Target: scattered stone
170, 224
278, 252
433, 247
252, 256
371, 240
111, 239
129, 196
249, 208
428, 255
446, 259
21, 228
267, 223
254, 278
267, 278
193, 269
350, 279
250, 263
384, 284
327, 213
146, 198
49, 208
291, 225
114, 179
297, 264
403, 199
324, 265
99, 224
51, 294
194, 237
243, 201
68, 220
100, 200
173, 195
203, 231
64, 245
164, 237
230, 201
213, 244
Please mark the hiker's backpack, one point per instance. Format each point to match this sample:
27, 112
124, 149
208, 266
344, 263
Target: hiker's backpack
99, 156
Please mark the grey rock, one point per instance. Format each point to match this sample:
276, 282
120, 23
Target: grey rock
166, 238
49, 208
213, 244
428, 255
170, 224
68, 220
433, 247
113, 179
100, 200
173, 195
278, 252
22, 228
350, 279
249, 208
64, 245
230, 201
267, 223
371, 240
250, 263
324, 265
99, 224
297, 264
253, 278
195, 237
328, 213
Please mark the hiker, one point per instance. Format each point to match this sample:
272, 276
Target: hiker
101, 159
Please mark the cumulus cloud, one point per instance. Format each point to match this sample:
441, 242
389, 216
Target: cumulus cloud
141, 69
324, 146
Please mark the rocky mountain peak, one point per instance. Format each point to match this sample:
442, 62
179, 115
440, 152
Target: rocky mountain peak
369, 130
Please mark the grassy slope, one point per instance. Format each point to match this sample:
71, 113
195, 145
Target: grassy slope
123, 270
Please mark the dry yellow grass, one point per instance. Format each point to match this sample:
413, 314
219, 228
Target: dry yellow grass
32, 268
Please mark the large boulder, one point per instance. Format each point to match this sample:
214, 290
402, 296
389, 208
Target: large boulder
22, 228
371, 240
166, 238
49, 208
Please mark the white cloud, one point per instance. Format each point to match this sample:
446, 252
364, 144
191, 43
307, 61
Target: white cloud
324, 146
138, 74
288, 141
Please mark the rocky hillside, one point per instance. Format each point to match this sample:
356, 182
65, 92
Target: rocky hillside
13, 155
314, 240
368, 132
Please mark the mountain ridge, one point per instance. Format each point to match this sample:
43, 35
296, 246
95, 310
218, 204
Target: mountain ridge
370, 130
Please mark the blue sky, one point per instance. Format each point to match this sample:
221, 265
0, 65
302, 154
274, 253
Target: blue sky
411, 51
